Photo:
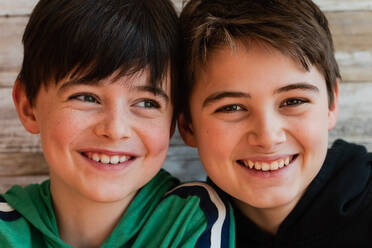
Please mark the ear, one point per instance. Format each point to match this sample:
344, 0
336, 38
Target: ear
185, 129
333, 110
24, 109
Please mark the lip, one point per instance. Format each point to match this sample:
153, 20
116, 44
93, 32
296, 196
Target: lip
269, 173
108, 167
268, 159
108, 152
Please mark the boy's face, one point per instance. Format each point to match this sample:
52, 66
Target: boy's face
103, 141
254, 111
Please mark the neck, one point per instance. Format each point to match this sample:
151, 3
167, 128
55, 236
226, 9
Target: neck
83, 222
268, 219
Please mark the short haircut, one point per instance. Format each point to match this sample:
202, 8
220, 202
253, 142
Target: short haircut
296, 28
89, 40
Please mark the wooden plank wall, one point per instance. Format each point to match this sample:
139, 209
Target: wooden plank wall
350, 20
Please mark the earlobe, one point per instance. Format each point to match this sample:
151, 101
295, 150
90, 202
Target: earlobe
24, 109
333, 110
186, 132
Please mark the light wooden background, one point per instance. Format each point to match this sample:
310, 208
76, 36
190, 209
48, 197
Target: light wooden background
21, 161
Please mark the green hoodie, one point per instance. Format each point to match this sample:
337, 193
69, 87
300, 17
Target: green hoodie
27, 218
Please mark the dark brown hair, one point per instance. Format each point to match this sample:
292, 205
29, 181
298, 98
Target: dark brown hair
296, 28
89, 40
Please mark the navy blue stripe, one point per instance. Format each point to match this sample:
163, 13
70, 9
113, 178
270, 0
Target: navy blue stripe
8, 216
225, 236
207, 206
210, 211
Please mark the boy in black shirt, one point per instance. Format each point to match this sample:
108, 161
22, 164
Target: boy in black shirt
259, 97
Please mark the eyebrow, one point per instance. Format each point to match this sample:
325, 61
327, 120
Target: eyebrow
146, 88
154, 90
297, 86
224, 94
75, 82
234, 94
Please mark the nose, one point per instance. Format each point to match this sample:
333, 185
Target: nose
114, 124
266, 131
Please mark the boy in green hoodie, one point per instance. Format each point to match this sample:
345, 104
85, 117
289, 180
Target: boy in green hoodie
96, 83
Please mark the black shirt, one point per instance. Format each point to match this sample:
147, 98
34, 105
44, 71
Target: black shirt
335, 211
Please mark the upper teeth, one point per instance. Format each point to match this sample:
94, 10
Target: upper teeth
266, 166
106, 159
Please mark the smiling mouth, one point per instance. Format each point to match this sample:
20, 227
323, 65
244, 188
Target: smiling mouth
107, 159
268, 166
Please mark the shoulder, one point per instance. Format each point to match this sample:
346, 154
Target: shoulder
14, 229
347, 150
209, 200
214, 206
189, 215
7, 213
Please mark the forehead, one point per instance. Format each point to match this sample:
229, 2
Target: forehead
258, 64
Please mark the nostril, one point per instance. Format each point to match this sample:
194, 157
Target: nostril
113, 129
266, 138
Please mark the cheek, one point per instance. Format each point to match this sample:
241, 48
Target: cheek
62, 130
315, 133
155, 136
312, 135
215, 140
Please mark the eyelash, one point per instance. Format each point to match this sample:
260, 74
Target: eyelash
293, 102
146, 102
84, 97
230, 108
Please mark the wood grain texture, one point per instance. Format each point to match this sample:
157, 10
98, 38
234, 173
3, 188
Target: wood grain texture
11, 49
16, 7
13, 137
355, 66
24, 7
355, 114
183, 162
22, 164
326, 5
352, 35
7, 182
344, 5
351, 30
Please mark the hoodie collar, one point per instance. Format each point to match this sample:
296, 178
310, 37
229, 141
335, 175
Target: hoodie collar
34, 203
335, 196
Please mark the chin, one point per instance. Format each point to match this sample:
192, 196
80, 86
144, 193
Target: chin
270, 200
106, 195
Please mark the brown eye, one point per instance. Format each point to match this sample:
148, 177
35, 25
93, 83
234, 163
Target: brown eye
85, 98
148, 103
230, 108
293, 102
